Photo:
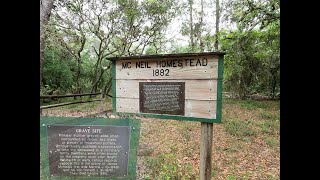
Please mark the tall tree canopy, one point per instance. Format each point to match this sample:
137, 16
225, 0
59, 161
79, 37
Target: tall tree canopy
80, 34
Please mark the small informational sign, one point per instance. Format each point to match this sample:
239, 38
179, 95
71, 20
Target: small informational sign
100, 151
141, 86
162, 97
94, 148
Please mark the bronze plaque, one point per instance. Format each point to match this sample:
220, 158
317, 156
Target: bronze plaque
162, 97
88, 151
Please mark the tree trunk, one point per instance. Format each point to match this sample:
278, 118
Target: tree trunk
97, 79
217, 24
42, 46
200, 29
107, 88
191, 25
78, 91
45, 12
83, 41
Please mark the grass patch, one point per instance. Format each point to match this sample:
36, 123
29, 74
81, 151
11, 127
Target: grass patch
265, 115
163, 166
189, 170
272, 142
269, 126
253, 104
166, 166
229, 100
231, 177
239, 128
246, 175
268, 115
270, 177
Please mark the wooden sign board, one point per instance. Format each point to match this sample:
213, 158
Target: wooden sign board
171, 86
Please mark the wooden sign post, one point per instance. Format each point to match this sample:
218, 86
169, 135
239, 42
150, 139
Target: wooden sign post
184, 86
206, 151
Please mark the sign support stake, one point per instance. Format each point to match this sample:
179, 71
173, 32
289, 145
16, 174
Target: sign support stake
206, 151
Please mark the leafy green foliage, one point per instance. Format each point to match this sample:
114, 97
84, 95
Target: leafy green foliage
252, 62
57, 72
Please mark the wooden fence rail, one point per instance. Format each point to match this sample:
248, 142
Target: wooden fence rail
68, 95
68, 103
73, 102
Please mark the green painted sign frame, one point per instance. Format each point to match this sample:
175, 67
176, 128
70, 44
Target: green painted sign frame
165, 116
134, 142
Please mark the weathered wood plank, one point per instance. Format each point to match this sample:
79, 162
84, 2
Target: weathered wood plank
194, 89
127, 105
200, 109
201, 67
193, 108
